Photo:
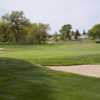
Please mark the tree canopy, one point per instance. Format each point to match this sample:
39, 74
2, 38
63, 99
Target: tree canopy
94, 32
15, 27
66, 31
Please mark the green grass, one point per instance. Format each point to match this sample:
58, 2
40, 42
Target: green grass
21, 80
70, 53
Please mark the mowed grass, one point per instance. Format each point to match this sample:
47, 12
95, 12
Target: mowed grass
22, 80
69, 53
23, 76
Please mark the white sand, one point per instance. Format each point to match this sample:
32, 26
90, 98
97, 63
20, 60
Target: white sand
87, 70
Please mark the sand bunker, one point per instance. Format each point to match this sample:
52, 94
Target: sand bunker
87, 70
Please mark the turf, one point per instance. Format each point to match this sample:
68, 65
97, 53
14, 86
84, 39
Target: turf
68, 53
23, 76
22, 80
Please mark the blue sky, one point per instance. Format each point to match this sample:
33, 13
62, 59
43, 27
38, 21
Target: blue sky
82, 14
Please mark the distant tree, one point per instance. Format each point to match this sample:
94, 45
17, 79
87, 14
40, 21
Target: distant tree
4, 31
77, 34
55, 36
94, 32
84, 33
43, 32
66, 31
15, 27
17, 23
38, 33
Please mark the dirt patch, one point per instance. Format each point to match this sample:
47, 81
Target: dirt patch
87, 70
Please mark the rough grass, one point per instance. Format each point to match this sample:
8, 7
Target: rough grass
21, 80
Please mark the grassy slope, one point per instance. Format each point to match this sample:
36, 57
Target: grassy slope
21, 80
60, 54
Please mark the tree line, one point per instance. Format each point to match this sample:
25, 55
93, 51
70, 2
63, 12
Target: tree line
16, 28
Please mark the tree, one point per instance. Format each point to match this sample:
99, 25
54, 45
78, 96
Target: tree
5, 32
17, 23
66, 32
42, 32
56, 36
15, 27
84, 33
94, 32
38, 33
77, 34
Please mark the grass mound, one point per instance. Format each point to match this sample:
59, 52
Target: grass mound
21, 80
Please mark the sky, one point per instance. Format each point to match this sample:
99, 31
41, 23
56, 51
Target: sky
81, 14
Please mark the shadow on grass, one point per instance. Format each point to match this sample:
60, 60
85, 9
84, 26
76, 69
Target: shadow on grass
21, 80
